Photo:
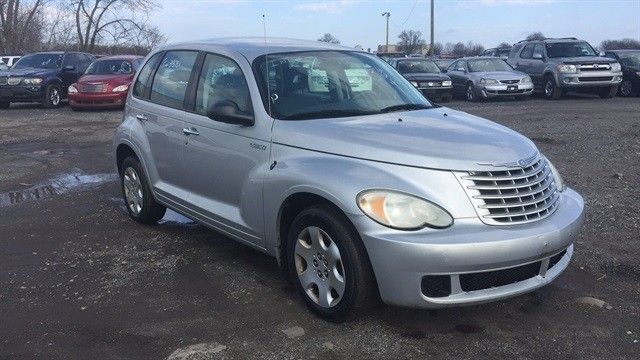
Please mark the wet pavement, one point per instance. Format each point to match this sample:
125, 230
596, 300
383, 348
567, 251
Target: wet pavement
78, 279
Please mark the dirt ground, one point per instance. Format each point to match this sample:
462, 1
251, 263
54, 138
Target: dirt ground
79, 280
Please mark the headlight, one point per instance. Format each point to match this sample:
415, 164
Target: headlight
414, 83
32, 81
446, 83
72, 89
569, 69
556, 175
488, 81
525, 80
14, 81
615, 67
402, 211
121, 88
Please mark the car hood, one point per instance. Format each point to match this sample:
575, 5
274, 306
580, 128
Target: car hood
110, 78
426, 77
500, 75
584, 59
439, 138
24, 72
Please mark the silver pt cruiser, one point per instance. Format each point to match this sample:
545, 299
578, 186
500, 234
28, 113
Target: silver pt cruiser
329, 160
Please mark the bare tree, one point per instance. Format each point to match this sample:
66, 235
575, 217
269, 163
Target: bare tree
20, 25
116, 20
474, 49
411, 41
437, 49
536, 36
327, 37
504, 45
620, 44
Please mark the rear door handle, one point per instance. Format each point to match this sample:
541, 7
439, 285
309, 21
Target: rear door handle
142, 117
190, 131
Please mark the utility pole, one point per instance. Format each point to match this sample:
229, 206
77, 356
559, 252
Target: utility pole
387, 14
432, 37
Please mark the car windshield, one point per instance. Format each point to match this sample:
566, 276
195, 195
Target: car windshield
630, 58
417, 66
39, 61
570, 49
331, 84
443, 63
109, 67
485, 65
3, 66
503, 52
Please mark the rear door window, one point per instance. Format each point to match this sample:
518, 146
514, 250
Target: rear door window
141, 85
527, 52
538, 50
172, 78
221, 79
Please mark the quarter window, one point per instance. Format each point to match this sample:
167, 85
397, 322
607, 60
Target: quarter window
142, 82
220, 80
172, 78
538, 50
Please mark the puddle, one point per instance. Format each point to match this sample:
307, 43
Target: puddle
74, 180
170, 217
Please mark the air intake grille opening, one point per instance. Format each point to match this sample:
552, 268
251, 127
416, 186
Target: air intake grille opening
436, 285
489, 279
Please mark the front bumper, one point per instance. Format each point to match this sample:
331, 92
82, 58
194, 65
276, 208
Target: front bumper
437, 93
19, 93
498, 90
401, 259
98, 100
590, 79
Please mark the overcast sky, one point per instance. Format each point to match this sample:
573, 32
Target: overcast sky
360, 22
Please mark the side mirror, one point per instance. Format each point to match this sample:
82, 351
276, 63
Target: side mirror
227, 111
69, 68
537, 56
602, 54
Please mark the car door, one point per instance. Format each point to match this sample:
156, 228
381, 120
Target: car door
70, 69
537, 63
224, 162
523, 61
457, 73
157, 104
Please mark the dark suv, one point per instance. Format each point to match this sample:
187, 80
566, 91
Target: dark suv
560, 65
42, 77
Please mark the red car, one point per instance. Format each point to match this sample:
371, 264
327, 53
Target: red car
105, 83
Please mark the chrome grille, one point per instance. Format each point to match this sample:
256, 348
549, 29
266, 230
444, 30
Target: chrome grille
93, 88
509, 81
430, 83
3, 80
594, 67
513, 196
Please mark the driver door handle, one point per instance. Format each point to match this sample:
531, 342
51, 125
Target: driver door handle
190, 131
142, 117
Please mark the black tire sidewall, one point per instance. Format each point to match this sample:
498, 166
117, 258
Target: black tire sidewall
47, 96
151, 211
326, 219
556, 93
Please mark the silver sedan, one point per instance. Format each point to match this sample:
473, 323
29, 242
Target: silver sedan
478, 78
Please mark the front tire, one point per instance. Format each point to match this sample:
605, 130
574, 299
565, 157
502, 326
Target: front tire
328, 264
139, 200
52, 97
471, 94
627, 89
608, 93
5, 105
551, 90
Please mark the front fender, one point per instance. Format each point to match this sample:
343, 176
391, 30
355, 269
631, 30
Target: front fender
340, 179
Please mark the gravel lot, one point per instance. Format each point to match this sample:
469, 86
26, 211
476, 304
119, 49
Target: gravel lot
78, 279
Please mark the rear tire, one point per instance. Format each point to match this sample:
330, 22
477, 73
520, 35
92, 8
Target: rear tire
325, 256
139, 200
608, 93
52, 97
4, 105
551, 90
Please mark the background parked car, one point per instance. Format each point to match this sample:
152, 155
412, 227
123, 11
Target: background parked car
42, 77
560, 65
630, 62
478, 78
9, 60
105, 83
443, 64
425, 75
3, 66
502, 53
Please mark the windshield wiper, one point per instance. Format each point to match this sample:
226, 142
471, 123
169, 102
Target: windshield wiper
401, 107
326, 113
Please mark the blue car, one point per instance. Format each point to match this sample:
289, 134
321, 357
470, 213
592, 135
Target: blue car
42, 77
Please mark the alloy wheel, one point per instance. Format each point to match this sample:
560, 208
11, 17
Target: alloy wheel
133, 191
548, 88
319, 267
470, 94
54, 97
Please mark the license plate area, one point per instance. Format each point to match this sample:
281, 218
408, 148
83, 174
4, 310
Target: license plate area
512, 88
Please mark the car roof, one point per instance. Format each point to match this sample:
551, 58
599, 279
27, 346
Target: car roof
120, 57
623, 50
253, 47
479, 57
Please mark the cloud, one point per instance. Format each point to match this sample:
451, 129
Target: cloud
330, 7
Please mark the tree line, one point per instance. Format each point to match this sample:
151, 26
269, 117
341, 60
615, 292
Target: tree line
96, 26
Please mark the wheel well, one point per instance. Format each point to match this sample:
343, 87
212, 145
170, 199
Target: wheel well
291, 207
122, 152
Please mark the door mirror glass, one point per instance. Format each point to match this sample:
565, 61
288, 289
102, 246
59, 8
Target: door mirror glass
227, 111
602, 54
